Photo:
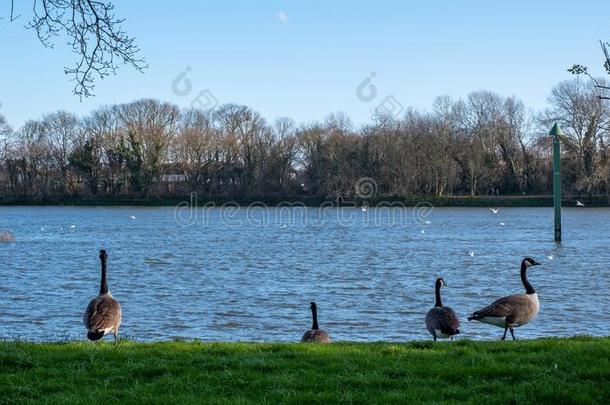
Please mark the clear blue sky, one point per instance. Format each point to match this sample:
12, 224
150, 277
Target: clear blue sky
308, 62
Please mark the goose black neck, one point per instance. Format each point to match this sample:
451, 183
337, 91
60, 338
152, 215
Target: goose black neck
437, 291
529, 288
104, 284
314, 315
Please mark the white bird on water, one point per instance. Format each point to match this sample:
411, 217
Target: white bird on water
72, 226
471, 254
502, 223
132, 217
550, 257
364, 207
495, 210
579, 204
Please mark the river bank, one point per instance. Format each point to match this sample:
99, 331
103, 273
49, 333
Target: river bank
570, 370
312, 201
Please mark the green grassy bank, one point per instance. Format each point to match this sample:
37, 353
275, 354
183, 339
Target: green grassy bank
575, 370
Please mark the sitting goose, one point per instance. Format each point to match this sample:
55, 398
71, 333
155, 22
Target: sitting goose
514, 310
315, 334
442, 322
103, 314
6, 236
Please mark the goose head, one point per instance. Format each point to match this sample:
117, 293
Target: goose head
103, 255
440, 282
529, 262
313, 306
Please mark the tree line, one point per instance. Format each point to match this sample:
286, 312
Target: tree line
482, 144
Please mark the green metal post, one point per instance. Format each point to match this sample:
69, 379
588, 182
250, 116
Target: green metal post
556, 133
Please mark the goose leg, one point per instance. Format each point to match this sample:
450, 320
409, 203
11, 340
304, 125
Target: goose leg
116, 336
512, 334
504, 336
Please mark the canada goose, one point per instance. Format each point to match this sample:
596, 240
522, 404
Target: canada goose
103, 314
442, 322
6, 236
579, 204
514, 310
315, 334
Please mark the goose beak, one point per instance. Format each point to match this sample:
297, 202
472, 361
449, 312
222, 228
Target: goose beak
536, 264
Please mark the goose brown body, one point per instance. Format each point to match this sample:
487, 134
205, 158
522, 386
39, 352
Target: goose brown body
315, 334
103, 314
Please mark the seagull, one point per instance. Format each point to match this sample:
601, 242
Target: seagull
495, 210
72, 226
422, 231
502, 223
428, 222
42, 229
550, 257
579, 204
471, 254
132, 217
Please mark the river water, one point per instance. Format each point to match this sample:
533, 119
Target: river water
238, 274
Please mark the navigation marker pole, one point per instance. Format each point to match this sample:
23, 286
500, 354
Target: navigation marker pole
556, 133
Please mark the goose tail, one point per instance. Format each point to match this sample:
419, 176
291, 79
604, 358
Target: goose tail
95, 334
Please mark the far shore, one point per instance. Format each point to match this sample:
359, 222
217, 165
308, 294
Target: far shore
312, 201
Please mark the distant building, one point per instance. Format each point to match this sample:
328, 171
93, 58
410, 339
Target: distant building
173, 178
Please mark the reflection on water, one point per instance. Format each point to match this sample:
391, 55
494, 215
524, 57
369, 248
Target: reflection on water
230, 278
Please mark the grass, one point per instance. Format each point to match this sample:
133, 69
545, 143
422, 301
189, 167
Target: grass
575, 370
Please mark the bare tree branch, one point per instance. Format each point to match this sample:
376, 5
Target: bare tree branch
13, 17
606, 54
95, 35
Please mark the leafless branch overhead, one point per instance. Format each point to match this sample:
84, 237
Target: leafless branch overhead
95, 34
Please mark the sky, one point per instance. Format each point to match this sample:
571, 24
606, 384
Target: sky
306, 60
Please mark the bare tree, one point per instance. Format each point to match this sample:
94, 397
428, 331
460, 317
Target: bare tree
195, 149
245, 128
148, 127
59, 131
585, 119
